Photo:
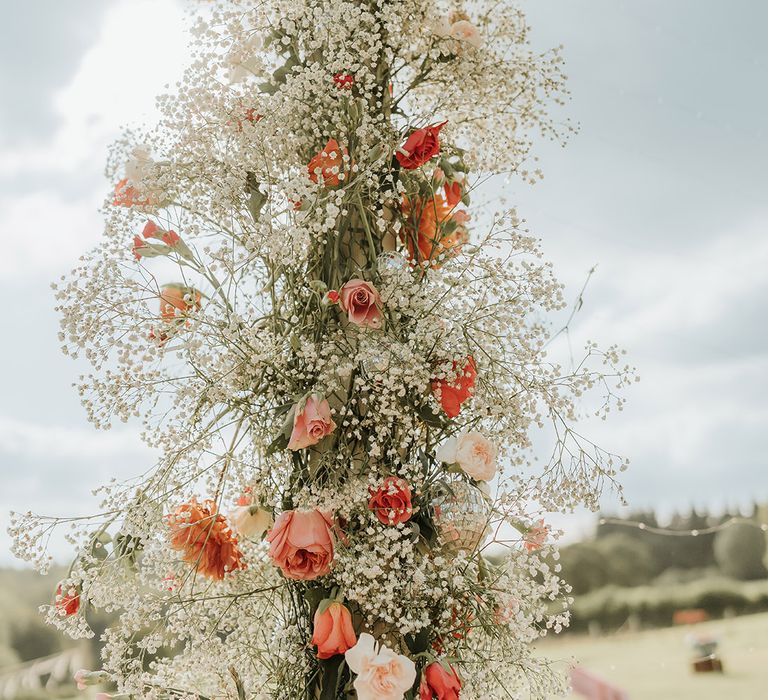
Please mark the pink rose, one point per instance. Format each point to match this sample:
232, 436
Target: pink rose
311, 422
473, 452
362, 303
381, 673
301, 544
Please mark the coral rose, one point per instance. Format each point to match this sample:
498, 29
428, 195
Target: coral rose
421, 146
204, 539
439, 684
362, 302
311, 422
67, 601
465, 31
381, 673
302, 544
333, 632
391, 502
327, 166
473, 452
452, 393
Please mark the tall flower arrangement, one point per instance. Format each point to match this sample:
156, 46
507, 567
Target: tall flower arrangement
339, 370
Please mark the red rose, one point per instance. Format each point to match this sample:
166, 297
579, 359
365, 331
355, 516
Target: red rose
454, 191
344, 81
454, 392
391, 502
67, 602
439, 684
421, 146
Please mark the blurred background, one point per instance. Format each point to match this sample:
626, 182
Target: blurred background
664, 190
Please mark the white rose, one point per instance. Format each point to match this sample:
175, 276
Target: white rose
476, 455
139, 165
381, 673
447, 451
464, 30
250, 521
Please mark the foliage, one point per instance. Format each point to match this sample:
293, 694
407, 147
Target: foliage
739, 551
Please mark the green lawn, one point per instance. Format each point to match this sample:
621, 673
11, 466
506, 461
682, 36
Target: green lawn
655, 665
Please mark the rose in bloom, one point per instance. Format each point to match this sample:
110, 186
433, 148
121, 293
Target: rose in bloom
452, 393
391, 502
250, 521
465, 31
536, 536
204, 539
421, 146
432, 229
67, 601
333, 632
381, 673
439, 684
177, 300
326, 166
302, 544
311, 422
362, 302
473, 452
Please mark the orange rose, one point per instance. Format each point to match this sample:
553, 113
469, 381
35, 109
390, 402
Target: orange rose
432, 229
204, 539
333, 633
327, 166
452, 393
391, 502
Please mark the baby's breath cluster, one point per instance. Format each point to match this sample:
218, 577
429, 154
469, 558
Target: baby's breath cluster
341, 373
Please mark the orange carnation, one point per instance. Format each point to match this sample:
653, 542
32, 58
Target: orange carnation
204, 539
432, 229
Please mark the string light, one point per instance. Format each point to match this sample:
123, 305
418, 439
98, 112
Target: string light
679, 533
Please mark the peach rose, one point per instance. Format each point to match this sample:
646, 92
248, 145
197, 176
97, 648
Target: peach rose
536, 536
473, 452
362, 302
302, 544
333, 632
437, 683
465, 31
391, 502
311, 422
381, 673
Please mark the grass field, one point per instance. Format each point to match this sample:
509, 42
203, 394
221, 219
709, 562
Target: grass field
655, 665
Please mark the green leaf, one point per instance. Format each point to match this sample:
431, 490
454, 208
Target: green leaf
428, 416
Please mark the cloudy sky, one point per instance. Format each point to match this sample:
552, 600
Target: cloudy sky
664, 189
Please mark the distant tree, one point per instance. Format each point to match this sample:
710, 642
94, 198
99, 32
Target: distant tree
628, 560
584, 567
739, 551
